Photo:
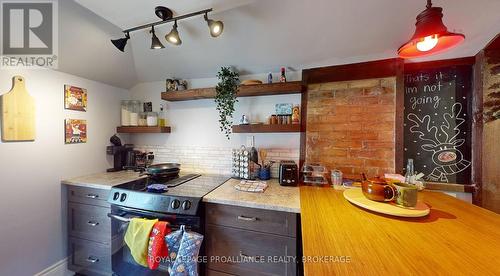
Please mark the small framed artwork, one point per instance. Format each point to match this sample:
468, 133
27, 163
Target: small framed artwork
75, 131
75, 98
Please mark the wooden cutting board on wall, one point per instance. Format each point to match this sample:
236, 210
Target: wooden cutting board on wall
18, 113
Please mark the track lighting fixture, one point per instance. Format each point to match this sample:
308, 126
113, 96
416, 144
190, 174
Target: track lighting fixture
121, 42
155, 42
216, 27
431, 35
165, 14
173, 37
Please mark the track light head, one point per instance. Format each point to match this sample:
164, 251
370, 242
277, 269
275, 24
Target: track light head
155, 42
173, 37
216, 27
121, 42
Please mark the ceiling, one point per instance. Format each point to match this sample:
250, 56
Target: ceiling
260, 36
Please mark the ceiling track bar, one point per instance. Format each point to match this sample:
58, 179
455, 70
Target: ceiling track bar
168, 20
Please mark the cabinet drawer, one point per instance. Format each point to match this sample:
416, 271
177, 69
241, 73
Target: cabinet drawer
89, 258
89, 222
274, 222
210, 272
251, 253
85, 195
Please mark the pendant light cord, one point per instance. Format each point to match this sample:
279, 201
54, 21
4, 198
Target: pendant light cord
429, 4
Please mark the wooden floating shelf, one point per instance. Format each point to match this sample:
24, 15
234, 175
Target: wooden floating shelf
280, 88
142, 129
262, 128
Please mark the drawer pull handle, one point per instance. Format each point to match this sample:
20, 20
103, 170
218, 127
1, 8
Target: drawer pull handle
92, 223
92, 259
247, 218
94, 196
252, 258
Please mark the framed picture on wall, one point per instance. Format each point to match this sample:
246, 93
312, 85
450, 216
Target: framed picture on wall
75, 131
75, 98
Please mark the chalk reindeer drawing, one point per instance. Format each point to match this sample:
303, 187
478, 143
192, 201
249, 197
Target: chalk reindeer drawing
443, 143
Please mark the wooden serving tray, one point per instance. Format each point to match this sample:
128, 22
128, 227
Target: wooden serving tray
356, 197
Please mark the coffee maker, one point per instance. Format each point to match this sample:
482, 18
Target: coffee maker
119, 153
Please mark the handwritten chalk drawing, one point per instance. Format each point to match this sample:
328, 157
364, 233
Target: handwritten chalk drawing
442, 142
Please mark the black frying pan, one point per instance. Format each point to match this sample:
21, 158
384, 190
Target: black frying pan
163, 169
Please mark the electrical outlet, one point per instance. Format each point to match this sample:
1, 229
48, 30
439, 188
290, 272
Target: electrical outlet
250, 141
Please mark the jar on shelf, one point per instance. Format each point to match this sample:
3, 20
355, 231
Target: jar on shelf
135, 109
143, 116
125, 113
152, 119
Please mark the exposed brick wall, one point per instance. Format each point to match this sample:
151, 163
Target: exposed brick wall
351, 126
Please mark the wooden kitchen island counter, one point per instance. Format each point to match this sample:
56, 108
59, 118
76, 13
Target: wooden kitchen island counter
456, 238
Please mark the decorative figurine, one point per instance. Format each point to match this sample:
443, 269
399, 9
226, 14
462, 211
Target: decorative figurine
244, 120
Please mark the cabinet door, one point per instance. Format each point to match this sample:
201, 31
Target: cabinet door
89, 258
274, 222
243, 252
89, 222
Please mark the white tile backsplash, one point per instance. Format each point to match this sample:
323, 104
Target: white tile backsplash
210, 160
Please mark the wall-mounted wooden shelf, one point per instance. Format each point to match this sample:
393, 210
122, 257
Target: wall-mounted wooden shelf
261, 128
292, 87
142, 129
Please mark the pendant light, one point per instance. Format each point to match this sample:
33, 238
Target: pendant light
431, 35
216, 27
155, 42
121, 42
173, 37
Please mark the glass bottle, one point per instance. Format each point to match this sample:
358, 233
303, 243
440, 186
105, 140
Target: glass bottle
409, 172
152, 119
162, 117
282, 76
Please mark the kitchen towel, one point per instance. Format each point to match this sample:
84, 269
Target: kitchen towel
137, 238
157, 249
184, 247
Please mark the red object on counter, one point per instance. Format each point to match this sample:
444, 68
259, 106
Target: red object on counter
157, 249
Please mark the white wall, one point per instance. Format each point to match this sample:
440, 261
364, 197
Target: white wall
32, 206
196, 122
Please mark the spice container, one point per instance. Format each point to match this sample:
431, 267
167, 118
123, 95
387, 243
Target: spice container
143, 119
152, 119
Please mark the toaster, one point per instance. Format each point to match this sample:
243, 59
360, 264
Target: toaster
288, 173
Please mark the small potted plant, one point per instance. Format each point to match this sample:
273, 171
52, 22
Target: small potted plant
225, 98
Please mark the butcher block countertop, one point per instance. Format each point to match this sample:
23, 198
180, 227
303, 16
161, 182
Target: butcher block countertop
104, 180
456, 238
275, 197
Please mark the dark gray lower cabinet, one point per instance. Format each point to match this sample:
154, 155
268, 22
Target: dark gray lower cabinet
89, 231
248, 241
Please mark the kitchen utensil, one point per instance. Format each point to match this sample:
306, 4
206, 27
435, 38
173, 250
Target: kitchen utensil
18, 113
406, 194
163, 168
356, 197
263, 155
378, 190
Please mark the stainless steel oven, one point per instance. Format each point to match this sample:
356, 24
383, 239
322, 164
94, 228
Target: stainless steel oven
122, 262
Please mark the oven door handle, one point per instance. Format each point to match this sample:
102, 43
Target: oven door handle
120, 218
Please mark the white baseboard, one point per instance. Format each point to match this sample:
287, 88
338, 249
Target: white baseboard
58, 269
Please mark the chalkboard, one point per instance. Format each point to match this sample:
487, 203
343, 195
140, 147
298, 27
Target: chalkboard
437, 123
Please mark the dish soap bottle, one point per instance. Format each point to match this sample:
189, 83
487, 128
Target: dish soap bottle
162, 117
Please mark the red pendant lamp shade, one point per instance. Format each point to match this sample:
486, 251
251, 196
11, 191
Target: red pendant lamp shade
431, 35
